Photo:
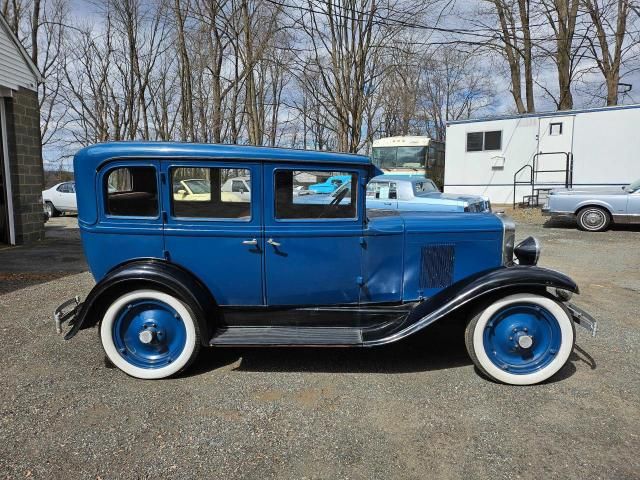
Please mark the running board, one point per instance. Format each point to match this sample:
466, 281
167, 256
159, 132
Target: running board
282, 336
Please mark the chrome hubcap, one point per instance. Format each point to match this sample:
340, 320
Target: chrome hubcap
594, 218
146, 336
525, 341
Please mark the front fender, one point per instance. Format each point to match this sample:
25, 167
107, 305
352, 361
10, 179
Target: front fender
467, 291
148, 272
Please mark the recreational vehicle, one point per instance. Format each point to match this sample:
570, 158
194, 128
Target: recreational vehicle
520, 158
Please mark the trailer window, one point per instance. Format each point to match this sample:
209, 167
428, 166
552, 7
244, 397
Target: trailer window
474, 141
555, 129
484, 141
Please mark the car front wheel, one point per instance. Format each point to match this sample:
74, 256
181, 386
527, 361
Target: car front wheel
50, 210
593, 219
150, 334
521, 339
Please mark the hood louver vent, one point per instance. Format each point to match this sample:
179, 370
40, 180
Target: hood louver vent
437, 266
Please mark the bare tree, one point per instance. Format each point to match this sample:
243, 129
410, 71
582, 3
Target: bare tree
609, 18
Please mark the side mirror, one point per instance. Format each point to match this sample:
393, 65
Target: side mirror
182, 193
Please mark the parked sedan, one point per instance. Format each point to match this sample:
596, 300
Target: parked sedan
406, 193
60, 198
237, 189
594, 209
419, 194
330, 184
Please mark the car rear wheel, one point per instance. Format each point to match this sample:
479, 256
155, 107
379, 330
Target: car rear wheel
593, 219
150, 334
522, 339
50, 210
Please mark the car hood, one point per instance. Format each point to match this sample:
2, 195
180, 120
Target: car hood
430, 222
589, 191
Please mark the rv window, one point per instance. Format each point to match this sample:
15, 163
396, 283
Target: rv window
493, 140
474, 142
555, 129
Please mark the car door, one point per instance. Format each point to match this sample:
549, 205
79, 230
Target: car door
59, 196
313, 249
633, 207
382, 195
216, 237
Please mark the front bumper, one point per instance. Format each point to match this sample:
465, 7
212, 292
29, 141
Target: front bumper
67, 312
582, 318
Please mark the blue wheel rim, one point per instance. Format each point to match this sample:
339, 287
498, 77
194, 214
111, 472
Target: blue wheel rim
164, 339
522, 338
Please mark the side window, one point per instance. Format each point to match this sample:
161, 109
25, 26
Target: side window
64, 188
238, 186
382, 190
293, 199
209, 192
474, 141
132, 192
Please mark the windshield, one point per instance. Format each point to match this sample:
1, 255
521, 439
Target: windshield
399, 157
633, 186
197, 186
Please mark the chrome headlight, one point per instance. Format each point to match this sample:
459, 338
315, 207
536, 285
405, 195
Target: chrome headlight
528, 251
508, 238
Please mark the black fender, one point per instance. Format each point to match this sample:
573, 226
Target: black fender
156, 273
501, 280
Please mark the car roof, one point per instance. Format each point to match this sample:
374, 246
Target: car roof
406, 178
95, 155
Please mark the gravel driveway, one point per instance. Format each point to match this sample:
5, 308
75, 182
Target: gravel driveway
412, 410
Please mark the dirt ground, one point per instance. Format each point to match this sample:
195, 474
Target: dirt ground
417, 409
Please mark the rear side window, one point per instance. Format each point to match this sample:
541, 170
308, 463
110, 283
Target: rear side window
132, 192
213, 193
306, 194
382, 190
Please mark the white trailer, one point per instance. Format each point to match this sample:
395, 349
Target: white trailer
580, 148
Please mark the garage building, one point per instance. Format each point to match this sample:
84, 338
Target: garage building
597, 147
21, 171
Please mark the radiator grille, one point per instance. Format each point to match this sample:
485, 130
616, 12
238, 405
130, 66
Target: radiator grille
437, 266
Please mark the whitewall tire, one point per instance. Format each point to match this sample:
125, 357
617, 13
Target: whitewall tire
150, 334
521, 339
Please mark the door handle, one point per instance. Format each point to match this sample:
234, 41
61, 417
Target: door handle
253, 241
271, 241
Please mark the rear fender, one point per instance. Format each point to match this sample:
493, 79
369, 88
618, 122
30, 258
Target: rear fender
468, 292
152, 273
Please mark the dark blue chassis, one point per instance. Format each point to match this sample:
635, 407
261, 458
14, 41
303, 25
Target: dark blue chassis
363, 325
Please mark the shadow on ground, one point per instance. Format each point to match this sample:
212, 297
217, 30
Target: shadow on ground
571, 225
438, 347
58, 255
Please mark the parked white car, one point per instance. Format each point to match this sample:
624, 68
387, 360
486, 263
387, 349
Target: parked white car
60, 198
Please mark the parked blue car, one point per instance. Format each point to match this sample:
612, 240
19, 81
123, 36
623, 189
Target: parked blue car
177, 273
419, 194
406, 193
330, 184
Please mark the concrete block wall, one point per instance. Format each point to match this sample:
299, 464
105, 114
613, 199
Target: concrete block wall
25, 162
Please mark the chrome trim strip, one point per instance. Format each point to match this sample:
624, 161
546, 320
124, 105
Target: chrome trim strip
508, 230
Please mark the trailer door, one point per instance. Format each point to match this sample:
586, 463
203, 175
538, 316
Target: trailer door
555, 145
